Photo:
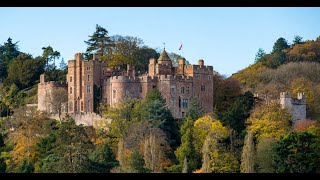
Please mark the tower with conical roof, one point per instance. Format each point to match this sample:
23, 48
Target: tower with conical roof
163, 66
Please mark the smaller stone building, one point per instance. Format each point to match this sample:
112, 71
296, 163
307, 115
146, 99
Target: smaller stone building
44, 90
297, 106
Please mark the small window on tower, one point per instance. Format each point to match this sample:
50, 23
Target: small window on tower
70, 90
88, 77
88, 89
140, 89
209, 77
114, 93
81, 105
182, 90
70, 78
203, 88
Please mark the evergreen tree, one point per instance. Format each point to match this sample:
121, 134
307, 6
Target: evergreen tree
137, 162
25, 167
103, 159
248, 154
297, 40
260, 56
50, 55
3, 166
8, 51
195, 111
99, 43
63, 66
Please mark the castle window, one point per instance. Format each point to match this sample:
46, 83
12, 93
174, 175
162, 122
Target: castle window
81, 105
172, 103
70, 106
187, 90
70, 78
197, 76
209, 77
88, 77
185, 103
140, 89
88, 89
182, 90
179, 102
88, 109
114, 93
70, 90
75, 106
203, 88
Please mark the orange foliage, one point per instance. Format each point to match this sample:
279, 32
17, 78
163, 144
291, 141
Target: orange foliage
303, 125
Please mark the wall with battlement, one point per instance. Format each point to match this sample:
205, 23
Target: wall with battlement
297, 106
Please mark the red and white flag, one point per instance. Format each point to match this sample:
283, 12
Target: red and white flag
180, 47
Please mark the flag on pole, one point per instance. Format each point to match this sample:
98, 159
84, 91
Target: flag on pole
180, 47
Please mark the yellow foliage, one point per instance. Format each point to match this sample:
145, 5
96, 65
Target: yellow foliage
198, 170
269, 120
205, 126
303, 85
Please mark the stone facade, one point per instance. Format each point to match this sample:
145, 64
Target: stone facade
177, 85
44, 90
297, 106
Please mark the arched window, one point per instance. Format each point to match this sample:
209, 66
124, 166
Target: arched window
114, 93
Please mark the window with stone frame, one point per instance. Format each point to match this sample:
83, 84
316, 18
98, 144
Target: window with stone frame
114, 93
197, 76
209, 77
81, 105
88, 89
187, 90
88, 77
185, 103
70, 90
140, 89
70, 78
182, 90
203, 88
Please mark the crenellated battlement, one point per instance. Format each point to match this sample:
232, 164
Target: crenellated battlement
199, 69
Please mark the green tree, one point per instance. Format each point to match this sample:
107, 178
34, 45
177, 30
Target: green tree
187, 150
143, 56
248, 154
103, 159
74, 147
24, 71
195, 111
278, 55
50, 55
137, 162
99, 43
260, 56
63, 66
238, 112
263, 155
297, 152
25, 167
3, 166
280, 45
297, 40
8, 51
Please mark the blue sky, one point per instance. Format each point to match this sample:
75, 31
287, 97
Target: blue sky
226, 38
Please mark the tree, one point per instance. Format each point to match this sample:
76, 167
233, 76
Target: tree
280, 45
63, 66
297, 40
50, 55
187, 150
25, 167
8, 51
248, 155
99, 43
238, 112
195, 111
260, 56
103, 159
74, 147
10, 98
57, 100
304, 85
297, 152
263, 155
269, 120
24, 71
3, 166
137, 162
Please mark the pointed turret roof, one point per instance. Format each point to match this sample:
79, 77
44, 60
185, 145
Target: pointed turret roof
164, 56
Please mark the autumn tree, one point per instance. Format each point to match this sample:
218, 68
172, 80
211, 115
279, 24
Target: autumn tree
304, 85
248, 154
57, 100
269, 120
99, 43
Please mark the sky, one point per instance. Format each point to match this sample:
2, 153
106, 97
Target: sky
225, 38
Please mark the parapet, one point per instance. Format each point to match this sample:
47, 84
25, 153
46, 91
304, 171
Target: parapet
285, 95
301, 96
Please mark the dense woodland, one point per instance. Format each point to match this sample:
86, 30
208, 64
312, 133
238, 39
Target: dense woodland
240, 135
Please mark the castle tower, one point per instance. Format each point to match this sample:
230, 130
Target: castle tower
201, 62
152, 67
164, 58
181, 64
285, 100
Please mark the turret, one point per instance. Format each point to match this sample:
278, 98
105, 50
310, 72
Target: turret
201, 62
285, 100
42, 79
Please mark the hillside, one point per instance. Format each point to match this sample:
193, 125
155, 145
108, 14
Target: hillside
299, 71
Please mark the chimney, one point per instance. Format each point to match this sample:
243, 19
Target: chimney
42, 79
95, 56
201, 62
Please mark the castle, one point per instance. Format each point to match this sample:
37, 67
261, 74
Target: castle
297, 106
177, 85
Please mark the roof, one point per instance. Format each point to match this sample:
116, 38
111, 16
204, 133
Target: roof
164, 56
